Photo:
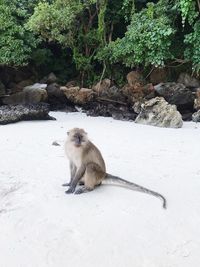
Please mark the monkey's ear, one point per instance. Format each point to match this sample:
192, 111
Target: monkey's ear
67, 133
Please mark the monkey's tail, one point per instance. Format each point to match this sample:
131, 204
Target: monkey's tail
117, 180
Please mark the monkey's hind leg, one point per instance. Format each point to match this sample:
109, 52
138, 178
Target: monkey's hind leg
93, 177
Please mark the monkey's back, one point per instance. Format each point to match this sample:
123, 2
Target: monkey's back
91, 154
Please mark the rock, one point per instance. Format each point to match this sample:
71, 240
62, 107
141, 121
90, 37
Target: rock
102, 87
118, 112
197, 100
56, 97
55, 143
28, 96
53, 90
135, 79
2, 89
188, 80
14, 113
35, 86
71, 84
177, 94
77, 95
186, 115
196, 116
21, 85
138, 92
158, 112
51, 78
158, 75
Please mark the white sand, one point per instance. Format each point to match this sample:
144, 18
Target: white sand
41, 226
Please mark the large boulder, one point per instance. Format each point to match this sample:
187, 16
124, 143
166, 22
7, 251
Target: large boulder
56, 97
107, 91
196, 116
176, 94
30, 95
137, 89
134, 78
188, 80
102, 87
116, 111
158, 75
138, 92
2, 89
50, 78
197, 100
158, 112
14, 113
77, 95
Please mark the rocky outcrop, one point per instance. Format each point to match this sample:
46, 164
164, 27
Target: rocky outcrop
102, 87
188, 80
176, 94
157, 112
196, 116
197, 100
77, 95
135, 78
56, 97
137, 89
30, 95
116, 111
158, 75
15, 113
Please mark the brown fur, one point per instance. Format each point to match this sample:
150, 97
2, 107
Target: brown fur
88, 167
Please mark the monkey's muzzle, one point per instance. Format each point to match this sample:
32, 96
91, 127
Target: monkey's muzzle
77, 140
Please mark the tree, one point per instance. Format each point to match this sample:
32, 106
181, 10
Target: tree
16, 42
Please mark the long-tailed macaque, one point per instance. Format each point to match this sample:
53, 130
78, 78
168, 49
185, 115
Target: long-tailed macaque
88, 168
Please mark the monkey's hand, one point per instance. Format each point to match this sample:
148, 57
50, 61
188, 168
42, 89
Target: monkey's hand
70, 190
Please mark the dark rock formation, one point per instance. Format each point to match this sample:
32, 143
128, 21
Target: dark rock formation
188, 80
14, 113
116, 111
176, 94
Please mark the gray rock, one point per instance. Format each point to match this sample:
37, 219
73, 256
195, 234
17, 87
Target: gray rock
28, 96
51, 78
15, 113
2, 89
53, 90
176, 94
196, 116
157, 112
188, 80
117, 112
35, 86
55, 143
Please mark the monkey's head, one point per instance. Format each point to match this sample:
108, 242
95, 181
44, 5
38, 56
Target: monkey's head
78, 137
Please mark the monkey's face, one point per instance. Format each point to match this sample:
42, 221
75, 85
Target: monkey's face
78, 137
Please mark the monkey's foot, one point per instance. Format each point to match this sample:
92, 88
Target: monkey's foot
70, 190
66, 184
81, 190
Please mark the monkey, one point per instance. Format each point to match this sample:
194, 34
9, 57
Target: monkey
88, 169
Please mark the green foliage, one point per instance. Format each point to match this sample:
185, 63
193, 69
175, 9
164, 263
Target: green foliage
100, 38
192, 52
188, 11
147, 40
16, 43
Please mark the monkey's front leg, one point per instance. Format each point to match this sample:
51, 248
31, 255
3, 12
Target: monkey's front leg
72, 174
79, 174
